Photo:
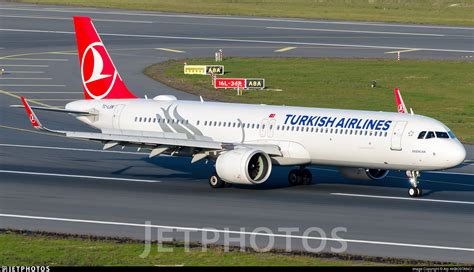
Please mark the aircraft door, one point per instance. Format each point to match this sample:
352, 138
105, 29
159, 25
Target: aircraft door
397, 135
116, 116
263, 127
271, 127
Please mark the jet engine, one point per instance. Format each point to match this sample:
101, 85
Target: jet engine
363, 174
244, 166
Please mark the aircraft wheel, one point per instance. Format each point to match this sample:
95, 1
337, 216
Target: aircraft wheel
294, 177
306, 177
216, 182
414, 192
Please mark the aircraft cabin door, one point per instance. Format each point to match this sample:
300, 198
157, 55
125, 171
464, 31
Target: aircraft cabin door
271, 127
116, 116
263, 127
397, 136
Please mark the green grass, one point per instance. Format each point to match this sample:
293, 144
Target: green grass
443, 90
22, 249
449, 12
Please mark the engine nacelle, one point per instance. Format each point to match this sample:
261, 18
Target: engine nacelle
363, 174
244, 166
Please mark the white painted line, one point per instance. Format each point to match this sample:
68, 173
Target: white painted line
77, 176
406, 198
170, 50
69, 19
243, 41
56, 99
74, 149
13, 58
401, 51
449, 173
284, 49
308, 21
23, 65
24, 72
25, 78
30, 85
47, 92
355, 31
356, 241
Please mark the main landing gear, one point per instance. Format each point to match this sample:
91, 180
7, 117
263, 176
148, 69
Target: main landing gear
414, 190
216, 182
300, 176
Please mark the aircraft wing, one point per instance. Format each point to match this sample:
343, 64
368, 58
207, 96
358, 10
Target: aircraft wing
158, 142
56, 110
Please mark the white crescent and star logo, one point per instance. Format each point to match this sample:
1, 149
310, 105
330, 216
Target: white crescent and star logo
99, 82
32, 119
400, 108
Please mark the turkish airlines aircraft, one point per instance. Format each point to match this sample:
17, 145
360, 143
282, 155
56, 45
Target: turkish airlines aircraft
246, 140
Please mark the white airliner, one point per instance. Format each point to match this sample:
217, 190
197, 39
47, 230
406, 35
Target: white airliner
246, 140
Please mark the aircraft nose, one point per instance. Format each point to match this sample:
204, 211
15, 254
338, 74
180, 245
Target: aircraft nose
457, 154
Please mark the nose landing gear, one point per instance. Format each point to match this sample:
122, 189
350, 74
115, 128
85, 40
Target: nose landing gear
414, 190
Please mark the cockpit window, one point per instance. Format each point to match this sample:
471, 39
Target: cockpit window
422, 135
430, 134
441, 134
451, 134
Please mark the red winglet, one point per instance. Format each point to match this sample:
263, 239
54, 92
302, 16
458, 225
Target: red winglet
31, 115
400, 104
100, 78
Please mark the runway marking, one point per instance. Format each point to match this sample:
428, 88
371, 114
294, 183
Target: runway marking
11, 58
70, 148
308, 21
170, 50
24, 72
356, 241
25, 78
32, 85
449, 173
56, 99
38, 132
23, 65
244, 41
77, 176
355, 31
30, 100
284, 49
406, 198
401, 51
69, 19
63, 53
47, 92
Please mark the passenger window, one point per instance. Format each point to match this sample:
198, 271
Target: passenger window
198, 122
430, 134
443, 135
136, 118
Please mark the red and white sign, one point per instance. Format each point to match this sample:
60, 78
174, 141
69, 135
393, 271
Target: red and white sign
229, 83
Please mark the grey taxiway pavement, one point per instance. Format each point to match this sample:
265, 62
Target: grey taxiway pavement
57, 184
